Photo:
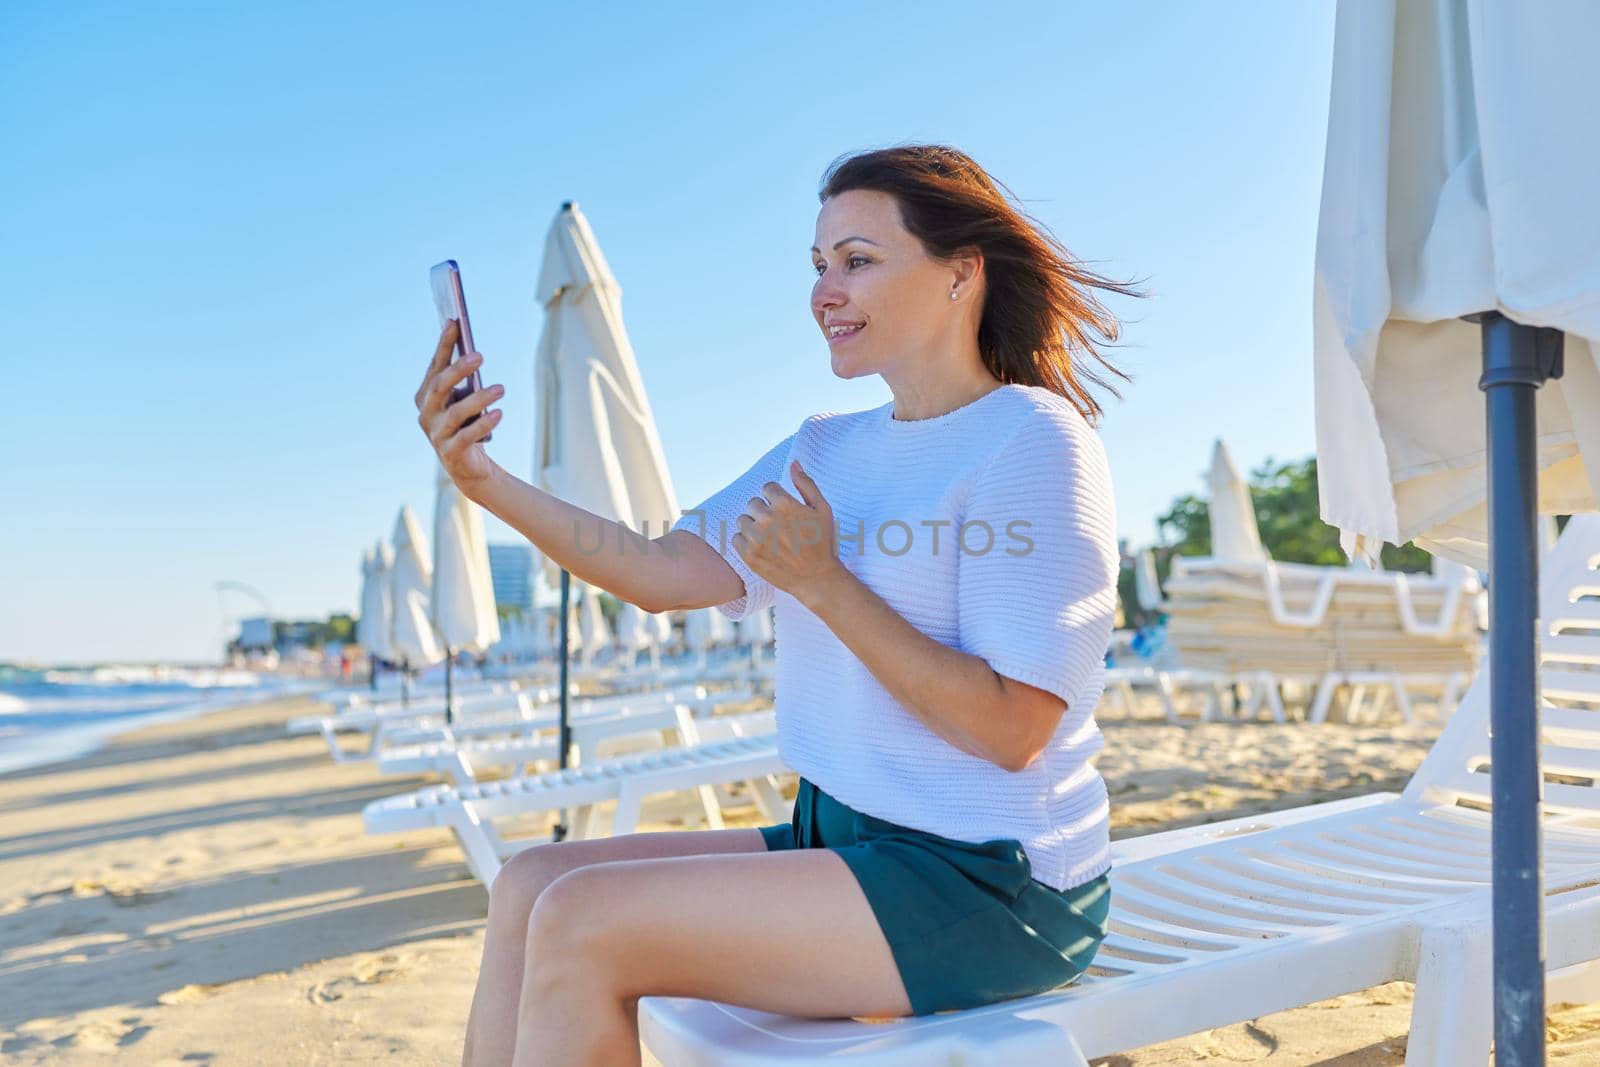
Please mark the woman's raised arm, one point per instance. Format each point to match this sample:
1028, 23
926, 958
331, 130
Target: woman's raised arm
677, 570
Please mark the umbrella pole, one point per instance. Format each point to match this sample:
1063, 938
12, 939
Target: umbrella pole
372, 675
405, 682
565, 740
448, 703
1517, 360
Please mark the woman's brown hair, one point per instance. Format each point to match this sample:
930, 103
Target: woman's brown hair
1039, 309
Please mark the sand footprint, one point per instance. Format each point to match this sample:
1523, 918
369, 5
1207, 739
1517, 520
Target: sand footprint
190, 994
107, 1035
1244, 1043
371, 971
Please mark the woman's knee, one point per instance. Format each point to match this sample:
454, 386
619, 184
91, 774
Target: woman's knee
523, 878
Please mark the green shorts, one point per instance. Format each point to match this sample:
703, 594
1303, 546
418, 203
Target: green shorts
967, 923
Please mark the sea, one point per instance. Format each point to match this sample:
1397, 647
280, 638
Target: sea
57, 713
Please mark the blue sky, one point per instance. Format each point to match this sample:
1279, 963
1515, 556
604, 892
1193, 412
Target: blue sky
219, 220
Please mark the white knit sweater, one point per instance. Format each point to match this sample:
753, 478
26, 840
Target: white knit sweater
1030, 587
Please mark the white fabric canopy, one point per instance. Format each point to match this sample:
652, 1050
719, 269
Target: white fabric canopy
462, 600
596, 632
1235, 538
377, 615
662, 621
1459, 177
411, 636
595, 442
706, 626
1145, 584
756, 628
634, 631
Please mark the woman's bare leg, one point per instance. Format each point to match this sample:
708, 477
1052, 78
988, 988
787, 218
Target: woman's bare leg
788, 931
492, 1022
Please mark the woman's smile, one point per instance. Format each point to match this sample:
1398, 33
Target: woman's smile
839, 335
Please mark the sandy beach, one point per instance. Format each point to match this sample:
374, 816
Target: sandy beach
203, 892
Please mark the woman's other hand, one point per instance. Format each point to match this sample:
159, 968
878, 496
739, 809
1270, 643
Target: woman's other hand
459, 446
791, 543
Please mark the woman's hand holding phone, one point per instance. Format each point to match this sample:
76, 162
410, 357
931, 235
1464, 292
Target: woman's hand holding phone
459, 446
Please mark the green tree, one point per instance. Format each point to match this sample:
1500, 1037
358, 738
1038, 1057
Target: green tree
1289, 516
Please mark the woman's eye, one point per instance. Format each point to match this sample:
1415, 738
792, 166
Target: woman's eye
820, 267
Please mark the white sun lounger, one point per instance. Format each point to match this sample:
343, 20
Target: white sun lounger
464, 753
731, 748
1221, 924
496, 711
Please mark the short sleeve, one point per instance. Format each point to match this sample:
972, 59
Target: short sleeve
1038, 557
716, 520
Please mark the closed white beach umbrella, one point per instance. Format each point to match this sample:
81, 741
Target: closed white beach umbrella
662, 621
1460, 181
703, 628
631, 628
756, 628
595, 440
372, 628
462, 600
1145, 584
463, 593
411, 636
575, 642
1235, 537
1460, 178
596, 631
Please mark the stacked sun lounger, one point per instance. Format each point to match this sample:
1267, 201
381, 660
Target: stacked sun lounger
1301, 620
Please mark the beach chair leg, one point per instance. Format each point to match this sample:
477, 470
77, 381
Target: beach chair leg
1452, 1017
1217, 703
1402, 700
769, 798
1324, 698
1252, 703
710, 805
1379, 694
338, 752
1269, 686
582, 822
1358, 702
479, 841
629, 803
1169, 702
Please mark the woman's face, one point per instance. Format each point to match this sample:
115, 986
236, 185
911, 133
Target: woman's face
874, 275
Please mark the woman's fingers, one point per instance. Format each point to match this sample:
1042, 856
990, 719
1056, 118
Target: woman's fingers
462, 410
441, 358
437, 392
465, 438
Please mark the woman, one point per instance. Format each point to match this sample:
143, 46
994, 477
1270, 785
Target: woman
944, 570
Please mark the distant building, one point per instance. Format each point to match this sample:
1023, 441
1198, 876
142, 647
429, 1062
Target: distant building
511, 574
256, 634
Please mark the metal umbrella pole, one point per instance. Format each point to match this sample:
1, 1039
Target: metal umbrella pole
1517, 360
449, 655
565, 739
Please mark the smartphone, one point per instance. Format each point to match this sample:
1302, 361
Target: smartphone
451, 303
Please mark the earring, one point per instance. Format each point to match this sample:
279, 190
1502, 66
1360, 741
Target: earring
952, 294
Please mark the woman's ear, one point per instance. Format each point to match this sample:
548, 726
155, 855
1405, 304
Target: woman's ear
968, 266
